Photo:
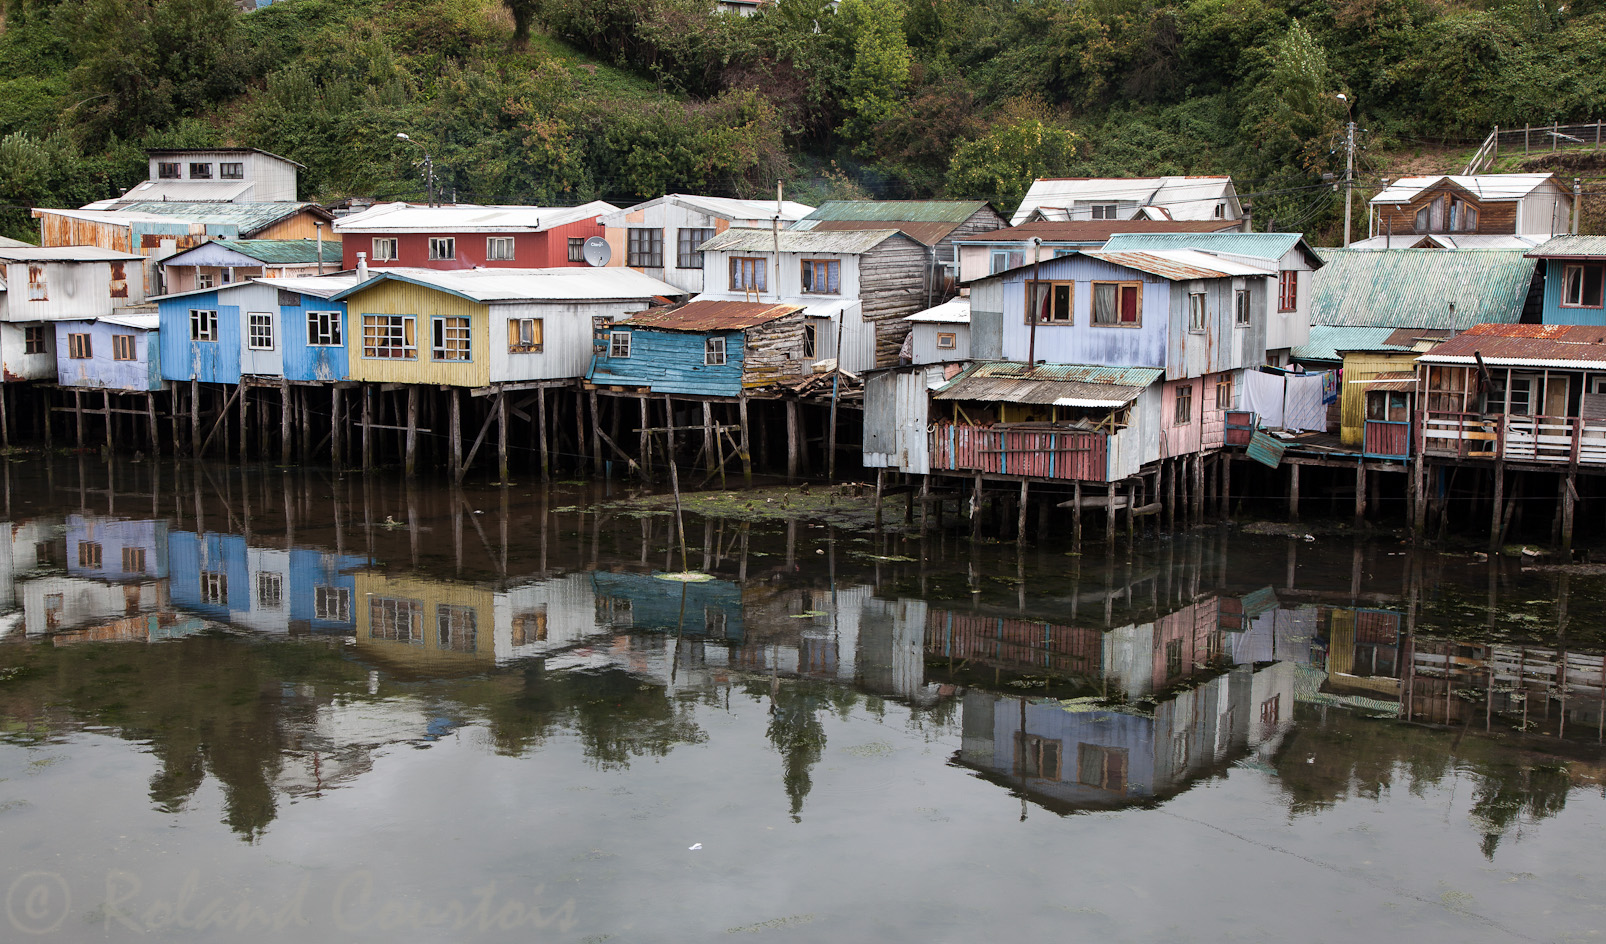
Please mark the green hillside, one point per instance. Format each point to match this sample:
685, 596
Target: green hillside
625, 99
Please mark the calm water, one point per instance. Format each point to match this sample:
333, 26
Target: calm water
274, 706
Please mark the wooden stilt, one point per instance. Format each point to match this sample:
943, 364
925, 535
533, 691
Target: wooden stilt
454, 432
78, 415
793, 434
1360, 493
245, 400
106, 404
367, 426
195, 418
546, 460
150, 416
579, 430
284, 421
412, 430
299, 397
48, 400
1020, 520
337, 428
501, 438
596, 435
975, 508
1109, 517
644, 444
1499, 503
669, 437
747, 453
1419, 498
1569, 500
880, 480
1226, 484
1293, 492
1076, 514
5, 422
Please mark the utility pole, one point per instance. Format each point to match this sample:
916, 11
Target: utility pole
429, 167
1349, 163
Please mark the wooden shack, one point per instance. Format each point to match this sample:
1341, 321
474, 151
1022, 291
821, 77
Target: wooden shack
705, 348
116, 352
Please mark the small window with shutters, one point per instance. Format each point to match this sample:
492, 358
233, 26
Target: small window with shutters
523, 335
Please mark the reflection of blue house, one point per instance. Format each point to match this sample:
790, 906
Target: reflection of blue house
711, 608
261, 328
116, 549
267, 589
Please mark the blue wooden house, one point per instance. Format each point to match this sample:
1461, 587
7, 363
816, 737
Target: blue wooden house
259, 328
270, 590
707, 348
1575, 280
116, 352
116, 549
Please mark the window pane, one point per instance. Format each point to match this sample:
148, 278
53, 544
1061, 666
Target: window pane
1104, 304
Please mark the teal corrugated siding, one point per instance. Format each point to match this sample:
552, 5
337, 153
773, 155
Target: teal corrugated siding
672, 362
1420, 288
1326, 341
1553, 313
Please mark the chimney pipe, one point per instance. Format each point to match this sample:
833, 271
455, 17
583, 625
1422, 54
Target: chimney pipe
362, 267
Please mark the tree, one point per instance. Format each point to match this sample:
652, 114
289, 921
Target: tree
880, 72
1001, 164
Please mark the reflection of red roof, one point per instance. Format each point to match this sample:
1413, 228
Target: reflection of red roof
1526, 342
1082, 231
712, 316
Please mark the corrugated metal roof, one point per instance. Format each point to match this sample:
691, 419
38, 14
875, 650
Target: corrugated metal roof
1179, 264
1093, 231
64, 254
322, 286
1398, 381
154, 152
1327, 341
276, 251
954, 311
1255, 245
511, 285
712, 316
899, 211
1571, 247
790, 240
1448, 241
247, 216
1014, 382
1482, 186
466, 218
1186, 197
927, 234
1525, 344
1420, 288
729, 208
183, 191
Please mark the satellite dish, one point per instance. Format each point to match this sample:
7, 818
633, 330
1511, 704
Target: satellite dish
597, 252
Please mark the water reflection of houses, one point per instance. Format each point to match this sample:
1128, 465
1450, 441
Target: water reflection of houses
273, 590
1489, 686
111, 574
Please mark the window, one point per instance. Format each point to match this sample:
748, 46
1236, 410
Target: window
529, 627
122, 347
749, 275
687, 255
1240, 308
1221, 211
323, 328
442, 248
203, 325
524, 335
205, 279
645, 248
1118, 303
33, 340
1271, 710
1037, 757
1003, 259
89, 554
1423, 218
1101, 767
1104, 211
499, 249
811, 340
1196, 313
577, 249
215, 587
38, 291
1581, 286
1049, 302
1521, 396
259, 331
1184, 414
200, 171
270, 590
169, 170
619, 344
331, 603
133, 560
456, 627
398, 620
1224, 392
449, 339
227, 275
947, 340
1288, 290
385, 249
231, 170
78, 347
822, 276
714, 351
390, 336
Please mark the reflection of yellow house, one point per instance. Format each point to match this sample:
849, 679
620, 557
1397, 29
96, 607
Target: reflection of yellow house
401, 331
428, 625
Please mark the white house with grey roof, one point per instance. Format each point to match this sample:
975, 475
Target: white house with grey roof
858, 285
1478, 211
663, 237
1130, 198
43, 285
207, 175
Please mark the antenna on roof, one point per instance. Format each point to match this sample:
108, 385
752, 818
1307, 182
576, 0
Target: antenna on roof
596, 251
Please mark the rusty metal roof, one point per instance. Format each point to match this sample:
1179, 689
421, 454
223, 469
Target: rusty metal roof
1570, 247
1525, 345
1179, 264
1095, 231
852, 242
712, 316
1410, 337
1399, 381
928, 234
1014, 382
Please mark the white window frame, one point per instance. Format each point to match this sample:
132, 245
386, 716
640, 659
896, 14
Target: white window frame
1104, 211
378, 327
1198, 313
619, 343
450, 335
714, 350
1242, 317
259, 330
203, 324
442, 248
499, 249
1573, 276
205, 280
325, 328
521, 341
231, 170
270, 590
386, 249
332, 604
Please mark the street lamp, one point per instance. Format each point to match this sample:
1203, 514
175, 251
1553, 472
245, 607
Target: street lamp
429, 165
1349, 163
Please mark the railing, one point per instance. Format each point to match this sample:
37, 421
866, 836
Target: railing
1386, 439
1037, 452
1537, 138
1560, 439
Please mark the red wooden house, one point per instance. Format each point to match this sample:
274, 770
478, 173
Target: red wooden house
462, 236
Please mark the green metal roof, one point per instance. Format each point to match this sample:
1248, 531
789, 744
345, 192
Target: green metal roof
284, 251
247, 216
1254, 245
1326, 341
1570, 247
1420, 288
901, 211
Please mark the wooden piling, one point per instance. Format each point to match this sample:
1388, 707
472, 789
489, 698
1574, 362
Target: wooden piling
501, 438
1076, 514
245, 400
792, 435
546, 460
644, 447
284, 421
1360, 492
596, 435
195, 418
150, 416
880, 481
337, 429
106, 405
1293, 492
367, 426
1569, 499
1499, 503
454, 432
78, 415
1020, 521
747, 449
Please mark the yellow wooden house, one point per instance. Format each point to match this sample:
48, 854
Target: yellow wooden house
402, 329
425, 625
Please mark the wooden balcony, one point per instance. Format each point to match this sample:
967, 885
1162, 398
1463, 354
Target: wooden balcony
1562, 440
1037, 451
